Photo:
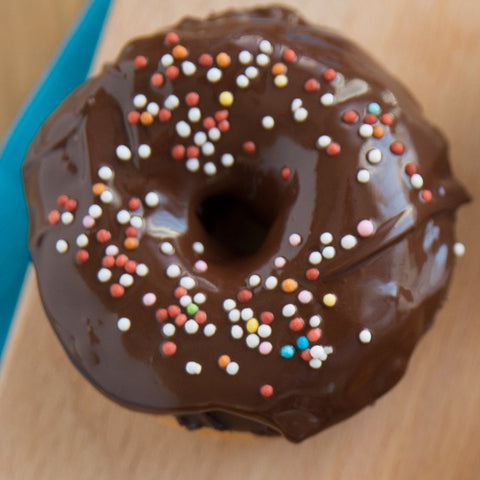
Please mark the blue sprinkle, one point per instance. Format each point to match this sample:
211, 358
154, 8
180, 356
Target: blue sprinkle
302, 343
374, 108
287, 351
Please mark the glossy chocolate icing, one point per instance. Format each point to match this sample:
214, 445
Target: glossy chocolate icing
270, 207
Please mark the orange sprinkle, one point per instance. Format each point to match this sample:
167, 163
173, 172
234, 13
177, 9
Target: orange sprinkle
378, 131
98, 188
223, 59
289, 285
223, 361
279, 68
146, 118
130, 243
179, 51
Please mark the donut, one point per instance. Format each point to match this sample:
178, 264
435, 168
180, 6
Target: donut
243, 222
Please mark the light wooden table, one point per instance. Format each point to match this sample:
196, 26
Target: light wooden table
55, 426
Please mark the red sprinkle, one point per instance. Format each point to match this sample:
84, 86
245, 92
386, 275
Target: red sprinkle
410, 169
205, 60
200, 317
224, 126
171, 38
329, 74
169, 349
350, 116
121, 260
116, 290
370, 118
285, 173
333, 149
267, 317
306, 355
180, 292
131, 232
314, 334
62, 200
180, 319
296, 324
178, 152
71, 205
134, 203
161, 314
82, 256
387, 119
193, 151
157, 79
133, 117
312, 85
131, 266
221, 115
249, 147
140, 61
426, 195
312, 274
192, 99
266, 390
397, 148
103, 235
244, 295
164, 115
108, 261
172, 72
173, 311
54, 217
209, 122
289, 55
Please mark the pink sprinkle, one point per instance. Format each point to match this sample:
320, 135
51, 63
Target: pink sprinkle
305, 296
280, 262
88, 221
265, 348
295, 239
111, 250
365, 228
149, 299
200, 266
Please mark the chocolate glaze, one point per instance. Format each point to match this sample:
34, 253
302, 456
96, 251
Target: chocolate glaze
390, 283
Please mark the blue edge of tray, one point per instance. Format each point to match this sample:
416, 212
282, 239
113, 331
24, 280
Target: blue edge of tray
68, 69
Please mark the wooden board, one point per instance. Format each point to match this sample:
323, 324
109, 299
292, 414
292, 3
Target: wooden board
56, 426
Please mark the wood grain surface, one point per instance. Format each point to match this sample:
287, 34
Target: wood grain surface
54, 425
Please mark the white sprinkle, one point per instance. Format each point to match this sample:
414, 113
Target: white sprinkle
149, 299
136, 221
246, 314
242, 81
326, 238
82, 240
251, 72
252, 340
152, 199
105, 173
194, 114
185, 300
315, 321
232, 368
266, 47
200, 266
209, 330
183, 129
264, 330
296, 104
171, 102
245, 57
329, 252
166, 60
374, 155
123, 217
263, 59
295, 239
67, 218
187, 282
192, 164
416, 180
234, 315
144, 151
280, 81
126, 280
271, 282
280, 262
153, 108
229, 304
191, 326
210, 169
106, 196
193, 368
123, 153
315, 363
300, 114
124, 324
112, 250
200, 138
214, 134
188, 68
323, 141
328, 349
139, 100
459, 249
327, 99
61, 246
173, 271
268, 122
167, 248
208, 149
254, 280
104, 275
236, 331
214, 75
363, 176
315, 257
227, 160
198, 247
365, 336
365, 130
199, 298
169, 330
348, 242
317, 351
289, 310
141, 270
305, 296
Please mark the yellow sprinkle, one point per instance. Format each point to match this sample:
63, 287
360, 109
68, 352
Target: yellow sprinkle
329, 300
223, 361
252, 325
226, 99
289, 285
280, 81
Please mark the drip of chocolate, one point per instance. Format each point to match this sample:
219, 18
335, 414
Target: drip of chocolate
243, 222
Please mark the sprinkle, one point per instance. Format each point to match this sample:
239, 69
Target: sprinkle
106, 197
300, 114
327, 99
264, 331
244, 295
387, 119
236, 332
348, 242
296, 324
205, 60
278, 68
254, 280
287, 351
171, 102
167, 248
232, 368
302, 343
311, 85
169, 330
329, 299
365, 336
252, 340
410, 169
296, 104
265, 348
251, 72
226, 98
171, 38
112, 250
214, 75
140, 61
363, 176
173, 271
333, 149
318, 352
153, 108
249, 147
209, 122
223, 361
82, 240
191, 308
103, 235
146, 118
183, 129
116, 290
323, 141
209, 330
271, 283
374, 155
193, 368
164, 115
104, 275
62, 200
315, 257
198, 247
208, 149
267, 317
312, 274
178, 152
105, 173
397, 148
262, 59
124, 324
326, 238
416, 180
305, 296
289, 285
315, 321
280, 262
61, 246
314, 334
136, 221
350, 116
142, 270
365, 130
329, 252
200, 266
194, 114
199, 298
289, 310
157, 79
426, 196
180, 321
285, 173
121, 260
123, 153
289, 55
370, 119
315, 363
242, 81
139, 101
266, 47
191, 327
252, 325
268, 122
67, 218
169, 348
186, 282
188, 68
152, 199
378, 131
126, 280
245, 57
459, 249
329, 74
149, 299
280, 81
295, 239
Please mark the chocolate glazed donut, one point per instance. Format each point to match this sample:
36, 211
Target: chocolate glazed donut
243, 222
